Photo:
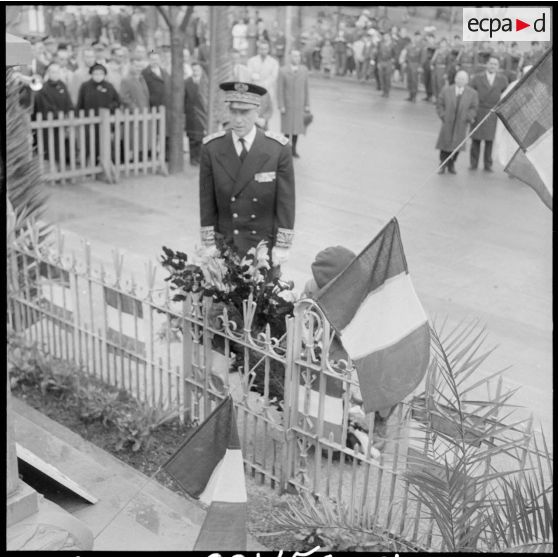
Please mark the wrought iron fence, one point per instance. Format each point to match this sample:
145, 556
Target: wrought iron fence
294, 400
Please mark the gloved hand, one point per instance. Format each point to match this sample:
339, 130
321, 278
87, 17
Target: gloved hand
279, 256
210, 251
207, 235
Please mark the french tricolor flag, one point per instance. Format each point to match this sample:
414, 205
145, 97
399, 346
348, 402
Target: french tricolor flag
209, 466
380, 321
527, 113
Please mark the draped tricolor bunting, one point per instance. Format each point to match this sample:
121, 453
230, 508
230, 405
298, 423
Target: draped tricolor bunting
382, 325
209, 466
527, 113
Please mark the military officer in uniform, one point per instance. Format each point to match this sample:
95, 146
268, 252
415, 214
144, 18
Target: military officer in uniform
247, 187
410, 58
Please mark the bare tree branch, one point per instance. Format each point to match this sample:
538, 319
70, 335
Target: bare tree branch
186, 18
165, 15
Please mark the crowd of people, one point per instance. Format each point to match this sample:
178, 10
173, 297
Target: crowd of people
93, 61
358, 47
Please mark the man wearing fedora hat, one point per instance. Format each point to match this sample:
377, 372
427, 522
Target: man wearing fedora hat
247, 188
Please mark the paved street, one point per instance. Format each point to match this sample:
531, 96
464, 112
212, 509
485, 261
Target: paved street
478, 245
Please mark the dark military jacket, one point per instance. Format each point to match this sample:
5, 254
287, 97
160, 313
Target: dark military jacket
250, 201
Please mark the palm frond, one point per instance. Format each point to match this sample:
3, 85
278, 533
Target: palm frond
24, 185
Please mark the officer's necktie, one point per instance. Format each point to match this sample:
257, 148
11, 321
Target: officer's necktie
243, 152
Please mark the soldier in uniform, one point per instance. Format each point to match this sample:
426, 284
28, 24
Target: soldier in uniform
439, 66
513, 63
532, 56
247, 188
385, 61
410, 58
426, 54
456, 51
502, 55
484, 51
467, 59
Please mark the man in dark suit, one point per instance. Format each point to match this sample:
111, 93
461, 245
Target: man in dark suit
247, 187
195, 94
457, 107
489, 85
158, 84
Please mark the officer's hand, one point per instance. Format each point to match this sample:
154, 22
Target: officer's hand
210, 251
279, 256
283, 110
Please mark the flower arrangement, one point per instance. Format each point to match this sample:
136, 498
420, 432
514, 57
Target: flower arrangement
229, 279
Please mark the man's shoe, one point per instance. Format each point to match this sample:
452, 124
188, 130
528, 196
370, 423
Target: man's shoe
410, 99
427, 99
296, 155
472, 168
451, 170
442, 170
488, 169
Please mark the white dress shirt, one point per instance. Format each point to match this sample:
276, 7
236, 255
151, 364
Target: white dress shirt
248, 140
490, 78
458, 90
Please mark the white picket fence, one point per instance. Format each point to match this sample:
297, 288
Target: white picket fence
73, 146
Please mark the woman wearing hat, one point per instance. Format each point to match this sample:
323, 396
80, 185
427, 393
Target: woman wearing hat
95, 94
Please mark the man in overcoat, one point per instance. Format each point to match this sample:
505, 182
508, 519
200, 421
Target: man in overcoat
158, 84
247, 187
489, 85
53, 97
195, 111
293, 98
264, 70
457, 107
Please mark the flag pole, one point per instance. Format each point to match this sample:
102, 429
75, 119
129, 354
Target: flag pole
444, 162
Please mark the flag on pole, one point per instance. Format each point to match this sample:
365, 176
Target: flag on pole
526, 112
380, 321
209, 466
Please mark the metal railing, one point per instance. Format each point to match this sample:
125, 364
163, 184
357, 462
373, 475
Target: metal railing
71, 146
173, 355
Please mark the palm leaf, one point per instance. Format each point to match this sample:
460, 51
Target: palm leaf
25, 187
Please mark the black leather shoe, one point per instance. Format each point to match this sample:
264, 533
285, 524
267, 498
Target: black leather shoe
296, 155
442, 170
410, 99
472, 168
451, 170
488, 169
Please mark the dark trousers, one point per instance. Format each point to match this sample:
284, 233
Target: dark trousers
475, 152
412, 79
385, 69
445, 154
427, 78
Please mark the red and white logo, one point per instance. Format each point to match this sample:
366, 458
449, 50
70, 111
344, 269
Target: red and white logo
506, 24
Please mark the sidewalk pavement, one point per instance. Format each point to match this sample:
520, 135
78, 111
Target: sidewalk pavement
127, 517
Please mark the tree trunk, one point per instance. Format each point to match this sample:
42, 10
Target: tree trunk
176, 132
177, 22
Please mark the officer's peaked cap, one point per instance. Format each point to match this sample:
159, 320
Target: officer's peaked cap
243, 92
